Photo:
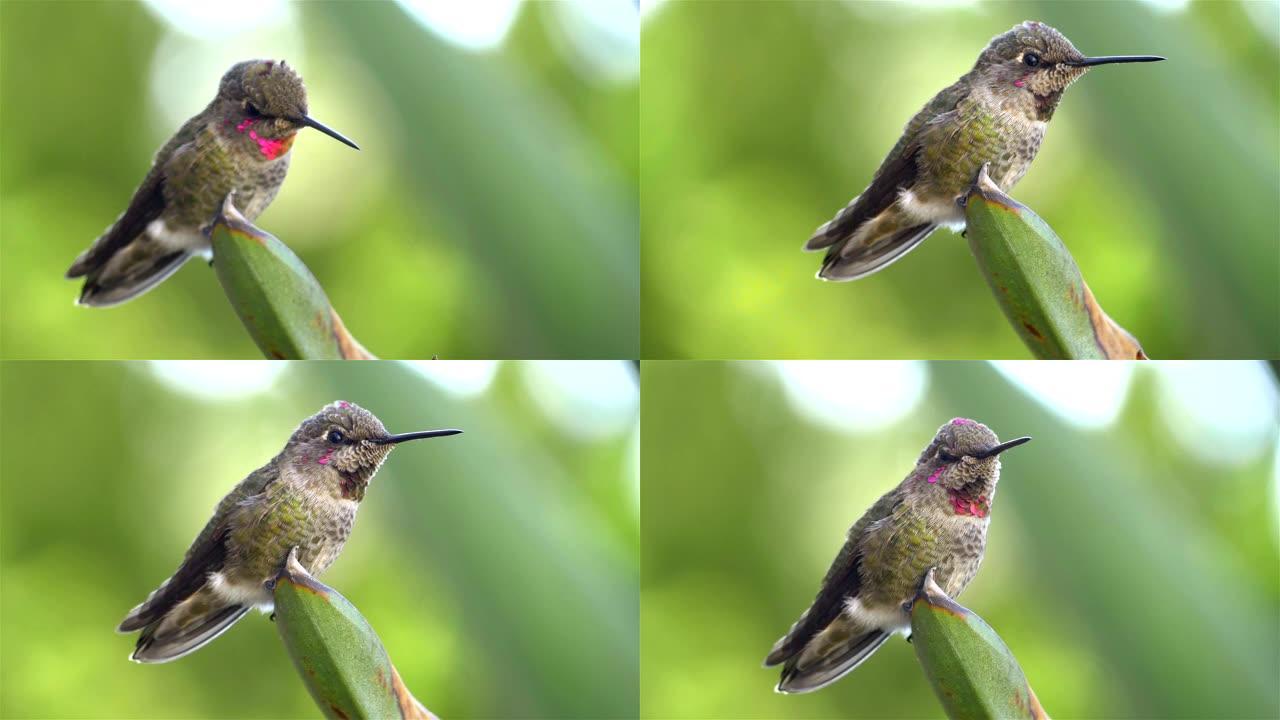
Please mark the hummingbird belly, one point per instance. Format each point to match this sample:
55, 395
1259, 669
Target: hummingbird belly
1006, 140
200, 175
894, 564
268, 529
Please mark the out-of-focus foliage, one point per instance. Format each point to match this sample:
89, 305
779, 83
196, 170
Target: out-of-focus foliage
761, 119
491, 211
500, 567
1132, 576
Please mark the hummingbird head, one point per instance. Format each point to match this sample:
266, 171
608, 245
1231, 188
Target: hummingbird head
1033, 64
267, 100
347, 445
964, 460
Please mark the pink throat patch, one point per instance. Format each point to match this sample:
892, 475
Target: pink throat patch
324, 459
272, 149
934, 477
965, 506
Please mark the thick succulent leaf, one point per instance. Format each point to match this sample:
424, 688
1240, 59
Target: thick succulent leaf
1037, 283
277, 298
970, 668
338, 655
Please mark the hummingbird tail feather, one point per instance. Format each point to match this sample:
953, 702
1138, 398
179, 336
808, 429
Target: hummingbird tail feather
186, 628
835, 229
114, 283
822, 663
858, 257
790, 645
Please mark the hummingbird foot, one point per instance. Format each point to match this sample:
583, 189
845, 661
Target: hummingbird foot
979, 179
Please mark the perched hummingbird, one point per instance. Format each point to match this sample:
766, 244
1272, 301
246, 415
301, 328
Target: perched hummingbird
937, 517
239, 143
996, 113
306, 497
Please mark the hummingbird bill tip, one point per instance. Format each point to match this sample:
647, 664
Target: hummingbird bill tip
311, 122
1004, 446
1001, 447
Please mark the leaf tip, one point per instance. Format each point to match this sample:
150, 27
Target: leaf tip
348, 347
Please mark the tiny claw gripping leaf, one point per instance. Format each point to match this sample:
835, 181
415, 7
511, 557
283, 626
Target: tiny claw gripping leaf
1036, 281
277, 298
338, 655
970, 668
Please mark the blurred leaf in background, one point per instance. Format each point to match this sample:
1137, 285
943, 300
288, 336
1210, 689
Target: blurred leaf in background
1131, 563
761, 120
491, 212
501, 570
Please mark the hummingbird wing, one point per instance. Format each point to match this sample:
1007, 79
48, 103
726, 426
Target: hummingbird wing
854, 260
841, 583
147, 205
207, 554
196, 622
834, 653
852, 254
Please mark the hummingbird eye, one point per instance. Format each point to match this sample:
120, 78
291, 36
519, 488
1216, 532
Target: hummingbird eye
1031, 59
335, 436
251, 110
945, 456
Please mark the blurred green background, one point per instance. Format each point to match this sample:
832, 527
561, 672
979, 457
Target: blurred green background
1132, 556
491, 212
760, 120
500, 567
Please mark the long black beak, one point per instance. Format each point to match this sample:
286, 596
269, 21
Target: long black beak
421, 434
1002, 447
1108, 59
313, 123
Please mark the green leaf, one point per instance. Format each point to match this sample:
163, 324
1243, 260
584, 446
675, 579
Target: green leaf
338, 655
1037, 283
971, 669
277, 298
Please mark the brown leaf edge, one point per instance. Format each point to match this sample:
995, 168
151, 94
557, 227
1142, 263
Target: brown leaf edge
348, 346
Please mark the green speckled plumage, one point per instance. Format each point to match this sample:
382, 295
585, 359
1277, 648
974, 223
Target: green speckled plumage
283, 518
215, 161
936, 518
916, 537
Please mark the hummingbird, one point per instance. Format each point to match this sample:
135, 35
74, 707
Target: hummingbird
996, 113
238, 144
305, 497
935, 518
